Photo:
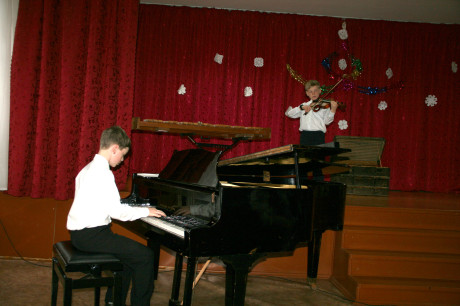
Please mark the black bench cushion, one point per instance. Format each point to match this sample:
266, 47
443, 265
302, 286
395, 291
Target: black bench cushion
74, 260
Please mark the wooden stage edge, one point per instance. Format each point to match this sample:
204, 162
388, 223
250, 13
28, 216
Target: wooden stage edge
411, 200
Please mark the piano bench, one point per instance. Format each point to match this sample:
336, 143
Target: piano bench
68, 259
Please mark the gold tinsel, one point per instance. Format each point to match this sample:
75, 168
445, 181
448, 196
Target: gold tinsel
295, 75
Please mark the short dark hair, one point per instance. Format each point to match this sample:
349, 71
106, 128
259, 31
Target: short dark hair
114, 135
312, 83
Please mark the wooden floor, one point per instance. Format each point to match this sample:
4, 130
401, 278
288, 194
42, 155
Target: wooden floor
29, 284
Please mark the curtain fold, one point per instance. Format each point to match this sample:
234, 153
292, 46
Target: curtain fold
72, 77
177, 46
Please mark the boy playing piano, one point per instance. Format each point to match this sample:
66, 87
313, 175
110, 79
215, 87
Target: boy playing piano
96, 202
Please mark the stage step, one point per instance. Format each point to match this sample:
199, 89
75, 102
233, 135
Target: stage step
409, 218
400, 240
404, 265
395, 291
399, 256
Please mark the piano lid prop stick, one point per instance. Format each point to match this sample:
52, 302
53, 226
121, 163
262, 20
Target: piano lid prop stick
199, 275
201, 272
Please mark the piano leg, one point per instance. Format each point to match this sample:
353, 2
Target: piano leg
229, 284
174, 300
314, 246
154, 245
189, 279
236, 276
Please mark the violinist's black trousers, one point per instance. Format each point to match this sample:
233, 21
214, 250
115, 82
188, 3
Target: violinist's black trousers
313, 138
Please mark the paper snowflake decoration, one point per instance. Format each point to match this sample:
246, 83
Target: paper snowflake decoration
454, 67
389, 73
258, 62
431, 100
343, 34
218, 58
248, 91
383, 105
342, 64
343, 124
181, 90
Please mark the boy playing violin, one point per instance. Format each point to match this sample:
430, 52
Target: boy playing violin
313, 122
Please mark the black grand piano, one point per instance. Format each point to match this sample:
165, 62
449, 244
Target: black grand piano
239, 210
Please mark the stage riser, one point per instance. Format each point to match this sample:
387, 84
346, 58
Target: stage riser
402, 218
389, 291
399, 256
408, 295
415, 266
400, 240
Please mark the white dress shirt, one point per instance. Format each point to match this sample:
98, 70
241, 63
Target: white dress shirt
97, 199
312, 121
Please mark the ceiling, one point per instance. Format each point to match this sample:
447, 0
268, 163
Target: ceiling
426, 11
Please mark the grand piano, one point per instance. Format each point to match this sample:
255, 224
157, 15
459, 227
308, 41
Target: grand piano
239, 210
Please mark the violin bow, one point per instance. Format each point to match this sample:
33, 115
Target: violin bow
332, 89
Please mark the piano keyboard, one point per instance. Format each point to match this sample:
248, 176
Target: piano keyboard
175, 225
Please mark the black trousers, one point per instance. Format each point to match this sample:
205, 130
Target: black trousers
313, 138
137, 260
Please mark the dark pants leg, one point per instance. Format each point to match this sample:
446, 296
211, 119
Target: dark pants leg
313, 138
137, 259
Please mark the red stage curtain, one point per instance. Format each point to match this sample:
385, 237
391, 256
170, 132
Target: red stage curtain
177, 45
72, 76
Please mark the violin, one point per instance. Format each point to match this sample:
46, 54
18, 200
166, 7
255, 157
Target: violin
324, 104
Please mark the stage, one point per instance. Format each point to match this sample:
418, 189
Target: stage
403, 249
401, 199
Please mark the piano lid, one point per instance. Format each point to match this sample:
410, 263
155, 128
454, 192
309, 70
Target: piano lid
201, 129
285, 155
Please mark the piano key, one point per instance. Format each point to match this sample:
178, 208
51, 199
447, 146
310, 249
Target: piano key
164, 225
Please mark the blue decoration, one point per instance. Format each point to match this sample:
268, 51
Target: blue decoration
371, 90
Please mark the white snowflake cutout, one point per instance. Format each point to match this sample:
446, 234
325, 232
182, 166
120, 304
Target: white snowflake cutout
181, 90
389, 73
454, 67
258, 62
343, 124
343, 34
218, 58
342, 64
247, 91
383, 105
431, 100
